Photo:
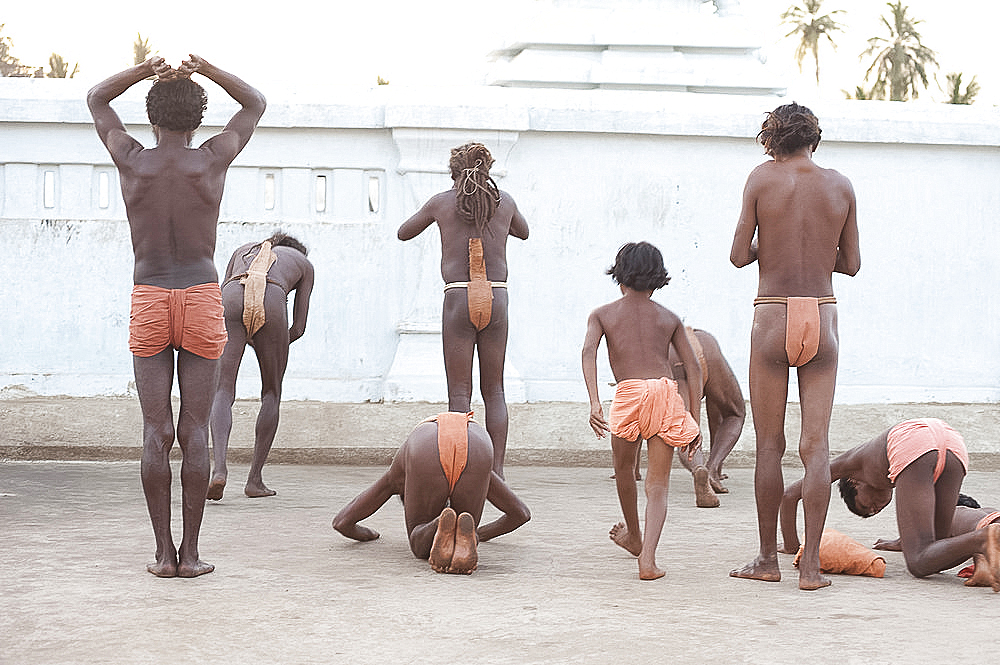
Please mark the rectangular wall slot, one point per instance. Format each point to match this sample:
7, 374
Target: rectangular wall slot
49, 192
269, 191
103, 190
374, 194
321, 193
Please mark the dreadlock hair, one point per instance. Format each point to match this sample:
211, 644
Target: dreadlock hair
177, 104
283, 239
478, 195
788, 128
639, 266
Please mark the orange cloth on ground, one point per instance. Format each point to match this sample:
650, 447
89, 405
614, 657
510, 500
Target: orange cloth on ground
453, 443
651, 407
699, 353
479, 290
190, 319
254, 285
912, 438
839, 554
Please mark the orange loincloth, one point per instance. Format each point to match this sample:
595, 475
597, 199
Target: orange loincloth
839, 554
479, 290
190, 319
254, 285
802, 328
651, 407
453, 443
912, 438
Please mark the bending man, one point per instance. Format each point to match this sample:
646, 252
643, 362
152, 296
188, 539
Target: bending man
255, 296
925, 461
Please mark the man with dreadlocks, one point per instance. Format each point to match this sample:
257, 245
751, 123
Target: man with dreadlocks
798, 222
474, 218
172, 194
255, 297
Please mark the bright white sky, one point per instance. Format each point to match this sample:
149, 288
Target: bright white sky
281, 45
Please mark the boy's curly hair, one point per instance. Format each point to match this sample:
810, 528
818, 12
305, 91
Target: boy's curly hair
177, 104
639, 266
788, 128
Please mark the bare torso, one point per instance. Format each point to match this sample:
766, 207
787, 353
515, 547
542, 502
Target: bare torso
288, 269
172, 195
804, 218
455, 232
637, 332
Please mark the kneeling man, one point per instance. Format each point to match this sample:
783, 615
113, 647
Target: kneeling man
444, 474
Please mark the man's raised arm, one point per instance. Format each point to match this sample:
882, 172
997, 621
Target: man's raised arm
240, 128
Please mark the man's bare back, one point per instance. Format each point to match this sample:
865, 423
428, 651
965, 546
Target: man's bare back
172, 195
455, 233
798, 222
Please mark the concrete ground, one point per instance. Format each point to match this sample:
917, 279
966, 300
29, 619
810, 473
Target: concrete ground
289, 589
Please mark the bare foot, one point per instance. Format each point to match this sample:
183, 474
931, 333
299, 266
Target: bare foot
812, 582
991, 556
980, 572
165, 568
788, 550
257, 490
443, 547
216, 488
649, 571
465, 558
716, 483
765, 570
704, 496
620, 535
199, 567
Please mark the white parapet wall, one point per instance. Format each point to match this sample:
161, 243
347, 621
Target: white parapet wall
590, 170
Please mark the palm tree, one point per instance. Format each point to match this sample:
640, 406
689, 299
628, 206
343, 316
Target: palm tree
861, 93
811, 27
955, 94
59, 68
9, 65
901, 60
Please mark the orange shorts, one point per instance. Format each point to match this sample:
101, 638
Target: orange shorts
189, 319
651, 407
912, 438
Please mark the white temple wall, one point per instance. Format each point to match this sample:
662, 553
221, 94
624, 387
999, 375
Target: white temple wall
589, 170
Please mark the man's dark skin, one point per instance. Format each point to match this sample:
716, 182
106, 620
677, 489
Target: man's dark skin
798, 223
172, 194
291, 271
417, 477
459, 337
925, 509
725, 407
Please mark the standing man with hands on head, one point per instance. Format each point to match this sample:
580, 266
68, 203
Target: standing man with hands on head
172, 194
